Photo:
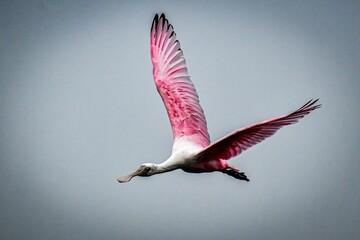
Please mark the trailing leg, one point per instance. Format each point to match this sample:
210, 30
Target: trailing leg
235, 173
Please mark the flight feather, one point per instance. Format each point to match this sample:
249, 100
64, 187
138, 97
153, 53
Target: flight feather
173, 83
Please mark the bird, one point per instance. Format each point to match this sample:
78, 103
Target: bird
192, 151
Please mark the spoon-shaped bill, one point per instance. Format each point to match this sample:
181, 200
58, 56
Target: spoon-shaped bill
139, 172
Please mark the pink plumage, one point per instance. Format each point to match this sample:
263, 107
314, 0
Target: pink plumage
192, 151
174, 85
244, 138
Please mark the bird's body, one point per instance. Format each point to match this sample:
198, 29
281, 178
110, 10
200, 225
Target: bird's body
192, 151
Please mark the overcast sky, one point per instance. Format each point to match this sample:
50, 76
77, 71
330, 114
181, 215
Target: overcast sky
78, 108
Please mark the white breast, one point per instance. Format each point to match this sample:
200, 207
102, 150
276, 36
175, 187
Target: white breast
182, 151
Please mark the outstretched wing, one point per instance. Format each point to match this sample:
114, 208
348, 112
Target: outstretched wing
174, 85
244, 138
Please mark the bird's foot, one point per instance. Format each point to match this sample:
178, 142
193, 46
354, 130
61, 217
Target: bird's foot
242, 176
236, 174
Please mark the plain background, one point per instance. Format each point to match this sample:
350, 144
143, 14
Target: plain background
78, 108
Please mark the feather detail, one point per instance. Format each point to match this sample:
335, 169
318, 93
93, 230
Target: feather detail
244, 138
174, 85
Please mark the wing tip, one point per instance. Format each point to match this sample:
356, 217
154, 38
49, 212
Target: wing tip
164, 22
158, 19
155, 22
310, 105
162, 16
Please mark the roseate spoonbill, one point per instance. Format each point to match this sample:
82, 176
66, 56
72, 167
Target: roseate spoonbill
192, 151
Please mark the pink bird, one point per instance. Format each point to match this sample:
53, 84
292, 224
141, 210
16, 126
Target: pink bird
192, 151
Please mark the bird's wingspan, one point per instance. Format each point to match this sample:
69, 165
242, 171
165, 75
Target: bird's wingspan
174, 85
244, 138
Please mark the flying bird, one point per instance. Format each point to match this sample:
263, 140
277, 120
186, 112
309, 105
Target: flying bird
192, 151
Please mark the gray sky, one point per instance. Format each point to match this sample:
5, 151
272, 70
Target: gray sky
78, 108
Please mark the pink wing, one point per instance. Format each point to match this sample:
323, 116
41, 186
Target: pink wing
174, 85
244, 138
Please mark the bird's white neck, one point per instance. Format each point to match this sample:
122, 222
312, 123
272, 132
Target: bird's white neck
169, 165
164, 167
183, 150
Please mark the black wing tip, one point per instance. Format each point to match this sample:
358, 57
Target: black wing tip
166, 25
314, 105
310, 105
155, 22
161, 19
318, 105
157, 19
172, 33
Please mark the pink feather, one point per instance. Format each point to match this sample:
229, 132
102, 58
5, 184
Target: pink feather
244, 138
174, 85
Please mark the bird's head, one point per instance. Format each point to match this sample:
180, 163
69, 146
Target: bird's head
145, 170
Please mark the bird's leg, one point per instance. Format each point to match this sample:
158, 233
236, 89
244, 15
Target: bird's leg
235, 173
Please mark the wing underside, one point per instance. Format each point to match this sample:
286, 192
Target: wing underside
244, 138
174, 85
